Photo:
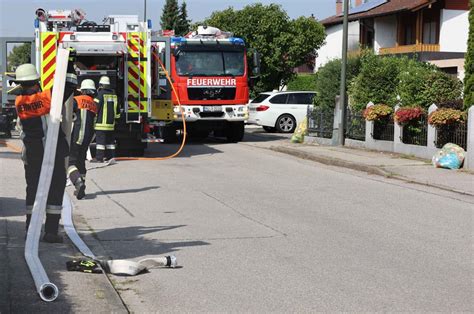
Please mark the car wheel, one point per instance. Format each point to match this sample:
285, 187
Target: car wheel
269, 129
286, 123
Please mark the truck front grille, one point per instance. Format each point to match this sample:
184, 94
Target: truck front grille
211, 93
219, 114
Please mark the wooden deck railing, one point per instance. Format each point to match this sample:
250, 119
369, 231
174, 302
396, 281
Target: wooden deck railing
410, 49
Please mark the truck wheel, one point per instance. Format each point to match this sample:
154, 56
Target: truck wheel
198, 134
168, 134
235, 131
130, 147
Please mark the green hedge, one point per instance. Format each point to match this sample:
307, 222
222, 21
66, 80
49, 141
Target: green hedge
306, 82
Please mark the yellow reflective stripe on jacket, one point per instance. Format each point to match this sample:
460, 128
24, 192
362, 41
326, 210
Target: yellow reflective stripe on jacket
104, 126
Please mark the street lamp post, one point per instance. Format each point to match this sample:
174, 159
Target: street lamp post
144, 11
343, 97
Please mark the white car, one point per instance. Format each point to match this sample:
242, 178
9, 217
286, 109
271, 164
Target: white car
280, 111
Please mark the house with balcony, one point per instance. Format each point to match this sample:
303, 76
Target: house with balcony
435, 31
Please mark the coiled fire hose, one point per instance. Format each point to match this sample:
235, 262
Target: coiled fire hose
47, 290
183, 141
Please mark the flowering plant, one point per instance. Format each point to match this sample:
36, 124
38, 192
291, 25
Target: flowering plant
406, 114
445, 116
377, 112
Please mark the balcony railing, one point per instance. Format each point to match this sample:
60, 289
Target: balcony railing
410, 49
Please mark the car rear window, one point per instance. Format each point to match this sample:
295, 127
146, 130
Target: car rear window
301, 98
260, 98
279, 99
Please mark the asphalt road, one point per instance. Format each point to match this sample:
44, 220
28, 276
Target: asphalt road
257, 231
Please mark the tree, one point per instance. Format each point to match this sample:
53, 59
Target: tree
19, 55
469, 65
283, 44
170, 16
183, 25
328, 81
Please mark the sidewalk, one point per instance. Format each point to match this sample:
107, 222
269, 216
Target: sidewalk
384, 164
78, 292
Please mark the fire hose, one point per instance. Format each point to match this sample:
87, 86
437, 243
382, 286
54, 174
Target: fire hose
116, 267
47, 290
183, 141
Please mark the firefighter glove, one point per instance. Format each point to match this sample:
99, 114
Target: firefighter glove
84, 265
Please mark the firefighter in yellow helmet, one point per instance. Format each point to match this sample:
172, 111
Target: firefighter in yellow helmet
84, 113
33, 105
107, 112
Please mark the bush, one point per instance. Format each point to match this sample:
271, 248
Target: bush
376, 82
306, 82
453, 104
445, 116
407, 114
328, 80
440, 87
377, 112
469, 64
410, 86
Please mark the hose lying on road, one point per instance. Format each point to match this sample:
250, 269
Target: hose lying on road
116, 267
47, 290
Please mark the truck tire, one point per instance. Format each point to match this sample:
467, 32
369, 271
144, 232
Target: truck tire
235, 131
129, 144
168, 134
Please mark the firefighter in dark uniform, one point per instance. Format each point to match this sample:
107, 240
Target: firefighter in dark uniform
84, 113
33, 105
107, 112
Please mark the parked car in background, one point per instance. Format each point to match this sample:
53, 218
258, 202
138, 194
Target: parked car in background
280, 111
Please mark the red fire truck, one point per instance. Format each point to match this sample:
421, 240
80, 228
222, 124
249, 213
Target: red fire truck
210, 73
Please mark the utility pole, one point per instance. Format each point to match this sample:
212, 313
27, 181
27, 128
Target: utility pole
144, 11
342, 93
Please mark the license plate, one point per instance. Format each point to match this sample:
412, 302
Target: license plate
212, 108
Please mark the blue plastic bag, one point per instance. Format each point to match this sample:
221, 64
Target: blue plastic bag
451, 156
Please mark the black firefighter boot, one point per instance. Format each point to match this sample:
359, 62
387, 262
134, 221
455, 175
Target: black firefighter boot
51, 229
79, 184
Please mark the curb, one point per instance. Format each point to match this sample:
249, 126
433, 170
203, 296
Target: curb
331, 161
359, 167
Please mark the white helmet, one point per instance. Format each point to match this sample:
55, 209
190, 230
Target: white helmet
104, 80
87, 84
26, 72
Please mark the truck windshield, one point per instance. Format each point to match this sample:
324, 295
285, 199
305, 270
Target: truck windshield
210, 63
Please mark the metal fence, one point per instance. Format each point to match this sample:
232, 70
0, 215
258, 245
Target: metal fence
415, 132
320, 122
455, 133
383, 130
355, 125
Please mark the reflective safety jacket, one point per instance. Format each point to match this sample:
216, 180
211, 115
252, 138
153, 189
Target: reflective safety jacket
33, 106
33, 110
85, 110
107, 110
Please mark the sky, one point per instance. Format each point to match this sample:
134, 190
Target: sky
17, 16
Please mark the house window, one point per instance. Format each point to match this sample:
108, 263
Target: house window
410, 36
429, 33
